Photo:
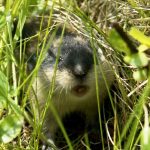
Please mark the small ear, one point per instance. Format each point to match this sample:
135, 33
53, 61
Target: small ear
33, 33
30, 28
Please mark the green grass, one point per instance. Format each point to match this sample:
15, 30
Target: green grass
92, 19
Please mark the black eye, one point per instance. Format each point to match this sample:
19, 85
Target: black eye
51, 54
60, 59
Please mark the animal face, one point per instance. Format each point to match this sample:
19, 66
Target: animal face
75, 76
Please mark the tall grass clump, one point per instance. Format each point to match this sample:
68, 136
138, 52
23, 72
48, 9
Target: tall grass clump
120, 28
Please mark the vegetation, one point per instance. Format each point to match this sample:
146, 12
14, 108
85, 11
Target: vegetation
125, 44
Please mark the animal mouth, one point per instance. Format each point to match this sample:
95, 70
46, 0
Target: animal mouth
80, 90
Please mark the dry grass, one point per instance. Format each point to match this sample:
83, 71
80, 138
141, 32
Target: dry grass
98, 16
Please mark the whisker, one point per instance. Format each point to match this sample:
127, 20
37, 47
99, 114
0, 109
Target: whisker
66, 90
61, 90
56, 89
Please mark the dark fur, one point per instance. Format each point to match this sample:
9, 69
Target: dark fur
75, 75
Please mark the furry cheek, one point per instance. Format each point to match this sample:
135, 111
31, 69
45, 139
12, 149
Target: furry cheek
65, 79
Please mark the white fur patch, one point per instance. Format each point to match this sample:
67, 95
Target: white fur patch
64, 100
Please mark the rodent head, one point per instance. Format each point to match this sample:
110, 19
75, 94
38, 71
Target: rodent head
75, 76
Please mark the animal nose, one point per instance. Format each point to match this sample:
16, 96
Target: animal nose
79, 72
